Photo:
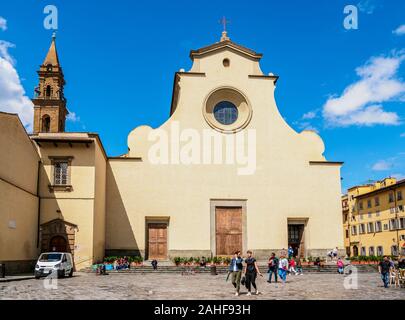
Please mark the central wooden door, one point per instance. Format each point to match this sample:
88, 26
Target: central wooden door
157, 241
228, 225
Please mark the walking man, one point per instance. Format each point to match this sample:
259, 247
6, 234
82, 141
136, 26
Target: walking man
235, 267
251, 271
273, 266
384, 268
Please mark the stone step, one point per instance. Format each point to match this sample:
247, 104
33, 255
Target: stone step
224, 269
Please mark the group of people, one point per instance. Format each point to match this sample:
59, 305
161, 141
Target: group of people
282, 267
121, 263
333, 254
244, 271
387, 267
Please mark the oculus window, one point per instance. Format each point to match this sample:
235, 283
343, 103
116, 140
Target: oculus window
225, 112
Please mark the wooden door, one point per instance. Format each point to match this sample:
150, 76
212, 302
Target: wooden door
157, 242
58, 244
228, 225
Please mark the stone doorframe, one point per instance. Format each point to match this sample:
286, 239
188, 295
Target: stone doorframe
305, 233
58, 227
242, 203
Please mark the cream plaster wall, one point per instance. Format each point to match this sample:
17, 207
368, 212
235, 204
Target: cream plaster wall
18, 192
84, 206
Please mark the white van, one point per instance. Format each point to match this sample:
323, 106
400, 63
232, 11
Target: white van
59, 262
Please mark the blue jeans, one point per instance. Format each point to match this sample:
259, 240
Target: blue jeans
271, 271
385, 278
283, 274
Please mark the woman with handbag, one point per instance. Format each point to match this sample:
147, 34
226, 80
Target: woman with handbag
250, 272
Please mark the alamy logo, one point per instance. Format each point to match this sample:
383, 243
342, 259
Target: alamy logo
206, 147
51, 20
351, 21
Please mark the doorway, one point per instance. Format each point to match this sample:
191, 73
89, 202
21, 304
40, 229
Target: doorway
58, 244
296, 239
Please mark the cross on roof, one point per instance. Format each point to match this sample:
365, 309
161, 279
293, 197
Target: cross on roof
224, 22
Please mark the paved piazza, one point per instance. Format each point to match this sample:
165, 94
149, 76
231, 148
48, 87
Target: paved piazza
200, 286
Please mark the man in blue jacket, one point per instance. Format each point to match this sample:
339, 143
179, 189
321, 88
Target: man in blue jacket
235, 268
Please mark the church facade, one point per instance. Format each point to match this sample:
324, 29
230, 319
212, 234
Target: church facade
224, 172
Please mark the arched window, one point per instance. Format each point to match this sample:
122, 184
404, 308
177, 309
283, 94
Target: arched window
48, 91
46, 123
355, 251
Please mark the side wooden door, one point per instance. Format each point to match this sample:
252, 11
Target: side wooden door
157, 241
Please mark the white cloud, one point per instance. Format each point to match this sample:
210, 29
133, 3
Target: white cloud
366, 6
12, 93
3, 24
360, 102
400, 31
309, 115
382, 165
72, 117
402, 135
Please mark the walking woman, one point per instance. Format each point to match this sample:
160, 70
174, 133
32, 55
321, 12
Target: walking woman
251, 271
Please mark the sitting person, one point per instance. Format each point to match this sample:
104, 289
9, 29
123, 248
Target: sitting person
318, 263
154, 264
203, 262
401, 264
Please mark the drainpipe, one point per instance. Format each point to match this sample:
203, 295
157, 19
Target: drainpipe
396, 218
39, 202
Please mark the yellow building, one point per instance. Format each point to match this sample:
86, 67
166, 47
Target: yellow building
374, 219
175, 193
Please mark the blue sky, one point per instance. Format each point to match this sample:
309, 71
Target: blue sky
119, 59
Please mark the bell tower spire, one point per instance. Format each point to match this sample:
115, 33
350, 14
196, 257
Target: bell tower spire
49, 101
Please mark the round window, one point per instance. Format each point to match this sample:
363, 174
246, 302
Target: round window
225, 112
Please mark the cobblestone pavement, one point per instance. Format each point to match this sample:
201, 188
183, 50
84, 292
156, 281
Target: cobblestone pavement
200, 286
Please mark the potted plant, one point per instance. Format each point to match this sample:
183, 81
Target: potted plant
177, 260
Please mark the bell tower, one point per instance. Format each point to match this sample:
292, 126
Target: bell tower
49, 101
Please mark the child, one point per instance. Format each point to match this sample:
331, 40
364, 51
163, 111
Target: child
292, 265
340, 266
